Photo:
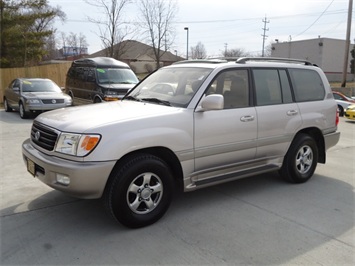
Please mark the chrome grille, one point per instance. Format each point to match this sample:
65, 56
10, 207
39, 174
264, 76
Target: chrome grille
52, 101
43, 136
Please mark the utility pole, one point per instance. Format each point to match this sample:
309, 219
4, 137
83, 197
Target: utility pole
225, 49
347, 44
264, 36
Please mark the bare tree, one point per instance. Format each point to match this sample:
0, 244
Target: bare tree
72, 40
83, 44
73, 44
111, 27
198, 51
237, 52
63, 38
51, 48
158, 16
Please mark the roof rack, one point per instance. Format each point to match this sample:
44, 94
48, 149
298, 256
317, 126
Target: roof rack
242, 60
209, 61
226, 58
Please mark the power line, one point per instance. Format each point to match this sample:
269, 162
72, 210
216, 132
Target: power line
335, 12
316, 19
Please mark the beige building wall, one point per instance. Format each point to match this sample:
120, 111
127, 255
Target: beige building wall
327, 53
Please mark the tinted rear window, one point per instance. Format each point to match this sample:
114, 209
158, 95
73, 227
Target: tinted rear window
307, 85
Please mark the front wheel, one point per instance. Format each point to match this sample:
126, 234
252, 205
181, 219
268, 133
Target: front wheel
23, 113
97, 100
301, 160
139, 192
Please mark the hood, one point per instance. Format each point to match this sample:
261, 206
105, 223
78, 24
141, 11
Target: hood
84, 118
44, 95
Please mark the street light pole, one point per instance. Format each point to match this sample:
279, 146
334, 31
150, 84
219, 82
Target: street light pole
187, 42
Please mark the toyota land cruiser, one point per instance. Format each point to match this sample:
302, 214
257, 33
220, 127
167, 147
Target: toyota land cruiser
189, 125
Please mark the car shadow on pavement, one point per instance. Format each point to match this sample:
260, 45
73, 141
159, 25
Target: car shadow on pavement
258, 220
14, 118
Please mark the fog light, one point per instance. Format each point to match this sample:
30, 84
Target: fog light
63, 179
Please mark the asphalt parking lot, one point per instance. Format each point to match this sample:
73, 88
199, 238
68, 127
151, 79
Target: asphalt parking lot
255, 221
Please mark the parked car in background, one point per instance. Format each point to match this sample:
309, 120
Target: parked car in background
342, 101
98, 79
31, 95
350, 112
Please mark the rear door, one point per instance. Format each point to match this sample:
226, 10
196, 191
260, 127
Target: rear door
278, 115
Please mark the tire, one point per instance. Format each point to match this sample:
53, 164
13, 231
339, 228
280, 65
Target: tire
301, 159
6, 106
23, 113
97, 100
70, 93
341, 110
139, 192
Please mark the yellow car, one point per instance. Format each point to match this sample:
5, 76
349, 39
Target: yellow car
350, 112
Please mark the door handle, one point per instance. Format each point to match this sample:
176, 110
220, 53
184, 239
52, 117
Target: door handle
292, 112
247, 118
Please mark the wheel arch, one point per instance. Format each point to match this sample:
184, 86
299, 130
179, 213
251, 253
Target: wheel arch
70, 93
97, 96
341, 110
318, 137
22, 101
164, 154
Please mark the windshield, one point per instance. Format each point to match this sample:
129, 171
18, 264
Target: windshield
40, 86
116, 76
173, 86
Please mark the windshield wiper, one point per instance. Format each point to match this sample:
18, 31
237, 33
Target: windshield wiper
156, 100
129, 97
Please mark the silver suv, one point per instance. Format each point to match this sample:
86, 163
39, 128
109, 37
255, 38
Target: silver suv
189, 125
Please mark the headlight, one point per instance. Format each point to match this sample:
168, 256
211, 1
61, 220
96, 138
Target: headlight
77, 144
33, 101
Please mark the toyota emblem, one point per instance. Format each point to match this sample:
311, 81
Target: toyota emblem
54, 101
37, 135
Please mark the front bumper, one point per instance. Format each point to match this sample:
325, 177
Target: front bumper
87, 179
45, 107
109, 98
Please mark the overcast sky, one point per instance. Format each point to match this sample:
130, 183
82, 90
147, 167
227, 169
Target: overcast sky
231, 24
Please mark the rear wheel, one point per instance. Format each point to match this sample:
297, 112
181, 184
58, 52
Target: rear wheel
23, 113
6, 106
301, 159
139, 192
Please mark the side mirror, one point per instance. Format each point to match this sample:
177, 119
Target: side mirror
212, 102
16, 89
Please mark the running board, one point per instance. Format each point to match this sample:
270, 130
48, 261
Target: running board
236, 175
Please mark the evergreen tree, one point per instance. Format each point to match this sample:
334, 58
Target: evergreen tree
25, 27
